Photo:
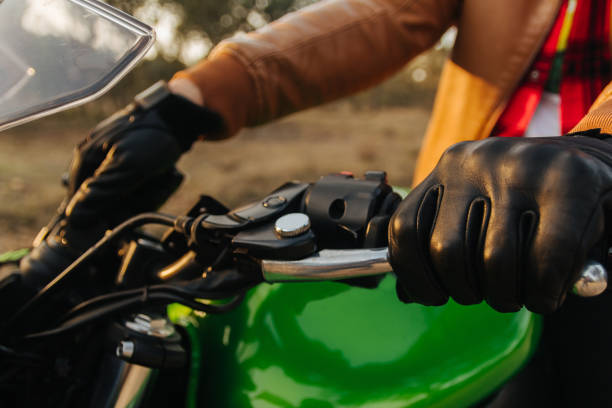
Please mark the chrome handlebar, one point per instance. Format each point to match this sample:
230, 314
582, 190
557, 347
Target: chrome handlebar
331, 264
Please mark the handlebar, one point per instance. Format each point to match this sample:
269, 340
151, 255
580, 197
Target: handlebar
353, 263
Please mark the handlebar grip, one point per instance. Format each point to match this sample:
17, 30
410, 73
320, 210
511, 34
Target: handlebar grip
593, 280
353, 263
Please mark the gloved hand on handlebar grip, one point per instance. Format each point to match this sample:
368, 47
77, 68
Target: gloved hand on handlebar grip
126, 165
506, 220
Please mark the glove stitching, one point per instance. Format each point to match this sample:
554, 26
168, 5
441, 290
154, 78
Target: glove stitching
525, 239
474, 270
424, 252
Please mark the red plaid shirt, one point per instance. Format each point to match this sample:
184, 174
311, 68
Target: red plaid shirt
586, 69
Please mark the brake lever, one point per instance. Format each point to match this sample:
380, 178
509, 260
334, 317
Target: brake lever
330, 264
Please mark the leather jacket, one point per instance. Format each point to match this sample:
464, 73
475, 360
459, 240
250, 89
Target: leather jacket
337, 47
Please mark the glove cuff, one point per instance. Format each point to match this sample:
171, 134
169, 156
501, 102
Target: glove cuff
186, 119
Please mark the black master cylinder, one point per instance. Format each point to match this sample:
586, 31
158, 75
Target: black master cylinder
346, 212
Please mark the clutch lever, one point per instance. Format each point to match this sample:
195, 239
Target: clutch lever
331, 264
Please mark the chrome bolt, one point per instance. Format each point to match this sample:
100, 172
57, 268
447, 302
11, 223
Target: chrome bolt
153, 326
125, 349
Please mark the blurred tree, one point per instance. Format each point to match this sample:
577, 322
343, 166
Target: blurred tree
187, 29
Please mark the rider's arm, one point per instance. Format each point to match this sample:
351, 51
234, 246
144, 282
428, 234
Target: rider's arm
315, 55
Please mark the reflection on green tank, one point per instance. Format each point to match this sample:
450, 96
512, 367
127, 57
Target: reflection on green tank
331, 345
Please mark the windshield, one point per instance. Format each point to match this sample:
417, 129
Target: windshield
55, 54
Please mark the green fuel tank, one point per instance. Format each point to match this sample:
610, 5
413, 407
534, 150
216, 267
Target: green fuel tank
320, 345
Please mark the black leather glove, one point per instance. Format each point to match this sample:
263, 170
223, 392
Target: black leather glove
126, 165
507, 220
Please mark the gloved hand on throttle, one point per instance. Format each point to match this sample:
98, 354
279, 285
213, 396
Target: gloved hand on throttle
126, 166
506, 220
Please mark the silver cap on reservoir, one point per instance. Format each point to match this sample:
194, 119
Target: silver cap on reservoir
292, 225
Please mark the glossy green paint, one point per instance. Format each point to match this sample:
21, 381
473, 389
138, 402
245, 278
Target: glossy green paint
331, 345
182, 316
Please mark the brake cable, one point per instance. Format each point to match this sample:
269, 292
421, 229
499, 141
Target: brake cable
62, 278
144, 293
161, 298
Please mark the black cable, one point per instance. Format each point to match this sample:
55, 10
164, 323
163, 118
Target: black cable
220, 257
154, 298
55, 284
112, 297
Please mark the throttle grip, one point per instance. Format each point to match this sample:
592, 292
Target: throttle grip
353, 263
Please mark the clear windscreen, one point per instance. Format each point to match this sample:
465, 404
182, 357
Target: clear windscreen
55, 54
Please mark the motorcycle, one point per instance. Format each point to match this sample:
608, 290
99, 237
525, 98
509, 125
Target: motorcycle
287, 301
281, 344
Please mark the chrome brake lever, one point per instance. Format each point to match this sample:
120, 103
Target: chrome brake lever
330, 264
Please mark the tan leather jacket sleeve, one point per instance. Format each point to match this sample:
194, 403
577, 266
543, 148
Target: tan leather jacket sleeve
600, 114
320, 53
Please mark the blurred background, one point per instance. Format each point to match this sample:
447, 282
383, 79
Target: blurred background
380, 129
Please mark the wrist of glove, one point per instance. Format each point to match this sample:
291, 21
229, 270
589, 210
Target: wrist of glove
506, 220
127, 164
